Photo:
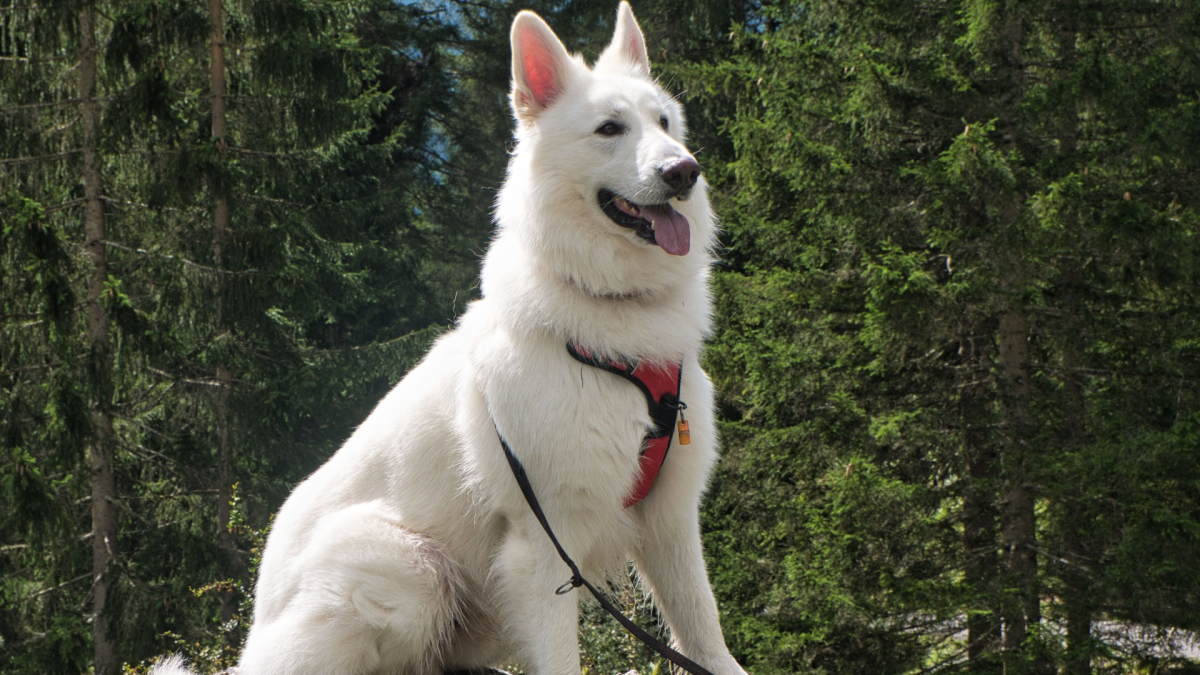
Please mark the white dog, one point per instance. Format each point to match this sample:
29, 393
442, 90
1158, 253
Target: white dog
412, 550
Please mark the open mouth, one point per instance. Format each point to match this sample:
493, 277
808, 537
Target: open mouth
658, 224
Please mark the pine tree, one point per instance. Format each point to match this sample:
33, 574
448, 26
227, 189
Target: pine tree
940, 263
100, 363
346, 245
51, 63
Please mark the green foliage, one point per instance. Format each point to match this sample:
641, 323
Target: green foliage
901, 177
349, 250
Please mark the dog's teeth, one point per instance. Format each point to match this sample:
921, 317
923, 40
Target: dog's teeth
627, 206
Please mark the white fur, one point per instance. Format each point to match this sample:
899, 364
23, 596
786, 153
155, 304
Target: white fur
412, 549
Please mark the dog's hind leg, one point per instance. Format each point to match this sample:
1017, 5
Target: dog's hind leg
365, 596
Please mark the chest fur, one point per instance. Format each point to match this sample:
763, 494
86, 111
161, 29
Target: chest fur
580, 428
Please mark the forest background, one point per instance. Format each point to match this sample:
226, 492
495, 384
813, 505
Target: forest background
956, 342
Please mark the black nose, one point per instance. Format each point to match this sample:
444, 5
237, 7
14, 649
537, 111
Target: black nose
681, 175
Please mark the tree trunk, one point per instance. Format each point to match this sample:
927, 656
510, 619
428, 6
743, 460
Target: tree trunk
1077, 592
221, 221
1078, 595
1017, 514
1022, 608
100, 455
1079, 629
980, 536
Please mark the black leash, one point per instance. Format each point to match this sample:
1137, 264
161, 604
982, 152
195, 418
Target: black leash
577, 579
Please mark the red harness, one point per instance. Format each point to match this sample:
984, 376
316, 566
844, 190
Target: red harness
661, 389
661, 386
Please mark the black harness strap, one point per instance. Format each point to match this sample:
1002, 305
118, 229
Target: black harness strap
577, 579
661, 385
663, 410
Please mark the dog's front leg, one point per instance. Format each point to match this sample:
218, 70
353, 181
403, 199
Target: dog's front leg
542, 625
670, 561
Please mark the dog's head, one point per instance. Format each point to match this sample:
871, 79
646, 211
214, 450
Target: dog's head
601, 155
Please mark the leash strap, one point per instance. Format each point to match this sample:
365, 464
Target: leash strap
577, 579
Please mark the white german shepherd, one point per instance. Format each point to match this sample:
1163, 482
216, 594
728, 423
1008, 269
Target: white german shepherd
412, 551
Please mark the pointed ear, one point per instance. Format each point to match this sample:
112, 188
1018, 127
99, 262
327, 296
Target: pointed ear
628, 46
540, 65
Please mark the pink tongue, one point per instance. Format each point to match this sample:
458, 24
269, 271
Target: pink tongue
671, 229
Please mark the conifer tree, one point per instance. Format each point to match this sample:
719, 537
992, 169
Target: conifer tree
346, 244
100, 363
51, 61
930, 230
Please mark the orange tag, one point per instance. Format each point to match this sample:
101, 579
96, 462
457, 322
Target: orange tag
685, 436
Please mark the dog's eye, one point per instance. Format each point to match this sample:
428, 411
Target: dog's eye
664, 122
610, 128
